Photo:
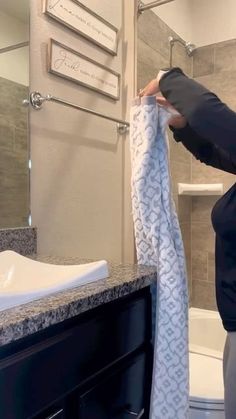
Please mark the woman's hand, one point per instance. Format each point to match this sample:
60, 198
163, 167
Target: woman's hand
177, 120
152, 87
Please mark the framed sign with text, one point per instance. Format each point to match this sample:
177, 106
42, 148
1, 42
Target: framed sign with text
69, 64
84, 21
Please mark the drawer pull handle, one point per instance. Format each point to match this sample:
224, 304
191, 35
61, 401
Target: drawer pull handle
54, 415
137, 415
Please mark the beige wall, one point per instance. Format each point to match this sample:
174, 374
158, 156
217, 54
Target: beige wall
80, 166
213, 21
202, 22
14, 65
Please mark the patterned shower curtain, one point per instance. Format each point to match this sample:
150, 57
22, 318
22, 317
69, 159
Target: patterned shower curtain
159, 243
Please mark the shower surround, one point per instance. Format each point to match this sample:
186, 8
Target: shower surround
214, 66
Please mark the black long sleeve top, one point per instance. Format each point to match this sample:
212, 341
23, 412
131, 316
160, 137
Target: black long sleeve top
210, 135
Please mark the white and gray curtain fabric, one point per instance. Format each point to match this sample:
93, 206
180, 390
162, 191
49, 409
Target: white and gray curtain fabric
159, 244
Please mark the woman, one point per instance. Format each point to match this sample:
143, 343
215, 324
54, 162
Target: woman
207, 128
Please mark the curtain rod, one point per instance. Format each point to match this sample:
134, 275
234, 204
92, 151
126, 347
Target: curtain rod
142, 7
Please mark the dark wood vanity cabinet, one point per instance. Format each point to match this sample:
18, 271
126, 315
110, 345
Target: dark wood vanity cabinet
97, 365
119, 395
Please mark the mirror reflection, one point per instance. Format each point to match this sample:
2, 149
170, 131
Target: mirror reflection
14, 85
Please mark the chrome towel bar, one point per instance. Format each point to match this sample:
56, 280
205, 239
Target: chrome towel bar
36, 100
142, 7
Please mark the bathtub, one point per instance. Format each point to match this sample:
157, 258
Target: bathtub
206, 344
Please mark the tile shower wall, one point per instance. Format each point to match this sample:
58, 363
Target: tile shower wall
14, 189
214, 66
153, 54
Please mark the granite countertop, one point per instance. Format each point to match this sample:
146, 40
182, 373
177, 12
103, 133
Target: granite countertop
24, 320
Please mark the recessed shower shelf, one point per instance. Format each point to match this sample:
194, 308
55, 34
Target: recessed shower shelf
197, 189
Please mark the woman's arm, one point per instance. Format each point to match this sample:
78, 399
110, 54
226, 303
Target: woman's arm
210, 118
204, 150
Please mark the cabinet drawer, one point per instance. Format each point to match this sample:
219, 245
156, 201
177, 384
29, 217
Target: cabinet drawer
119, 396
35, 377
56, 412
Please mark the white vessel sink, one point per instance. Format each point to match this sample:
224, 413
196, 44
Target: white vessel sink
23, 280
